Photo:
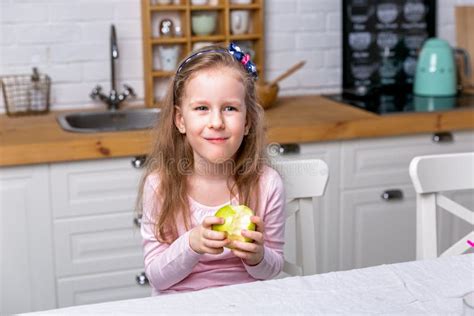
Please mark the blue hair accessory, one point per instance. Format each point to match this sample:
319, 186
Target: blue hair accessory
235, 51
244, 59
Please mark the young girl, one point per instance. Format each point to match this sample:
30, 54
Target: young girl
208, 152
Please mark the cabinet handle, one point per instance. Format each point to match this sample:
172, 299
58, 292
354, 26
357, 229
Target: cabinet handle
392, 195
276, 149
137, 220
138, 162
142, 279
442, 137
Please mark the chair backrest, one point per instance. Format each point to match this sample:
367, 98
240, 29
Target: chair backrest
430, 176
303, 180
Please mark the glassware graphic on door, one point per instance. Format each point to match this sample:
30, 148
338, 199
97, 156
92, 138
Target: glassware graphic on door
381, 42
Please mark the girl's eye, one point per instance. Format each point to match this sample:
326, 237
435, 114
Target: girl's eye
230, 108
201, 108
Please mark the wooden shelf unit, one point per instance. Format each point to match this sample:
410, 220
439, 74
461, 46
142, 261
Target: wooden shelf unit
183, 10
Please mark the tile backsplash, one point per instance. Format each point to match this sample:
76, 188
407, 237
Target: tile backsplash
69, 40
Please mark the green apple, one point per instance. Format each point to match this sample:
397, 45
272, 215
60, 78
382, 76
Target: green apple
237, 217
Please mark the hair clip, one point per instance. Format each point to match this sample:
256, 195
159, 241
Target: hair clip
244, 59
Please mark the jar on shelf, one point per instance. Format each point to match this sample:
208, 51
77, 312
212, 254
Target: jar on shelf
239, 21
167, 28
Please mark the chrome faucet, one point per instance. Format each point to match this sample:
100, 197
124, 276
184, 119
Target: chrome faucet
114, 99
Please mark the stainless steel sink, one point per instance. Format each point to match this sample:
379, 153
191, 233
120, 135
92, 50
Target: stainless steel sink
108, 121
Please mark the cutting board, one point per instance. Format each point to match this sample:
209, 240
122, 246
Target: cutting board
465, 36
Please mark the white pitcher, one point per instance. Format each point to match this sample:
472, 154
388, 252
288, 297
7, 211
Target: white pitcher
169, 55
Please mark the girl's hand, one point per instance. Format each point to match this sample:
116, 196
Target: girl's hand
251, 253
203, 239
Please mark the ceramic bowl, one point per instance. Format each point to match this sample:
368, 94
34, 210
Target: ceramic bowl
204, 23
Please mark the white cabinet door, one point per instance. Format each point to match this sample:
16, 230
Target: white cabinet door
98, 251
376, 231
27, 269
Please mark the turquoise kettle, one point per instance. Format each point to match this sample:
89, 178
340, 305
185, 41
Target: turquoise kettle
436, 69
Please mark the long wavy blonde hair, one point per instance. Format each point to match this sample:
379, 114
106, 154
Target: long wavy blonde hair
171, 156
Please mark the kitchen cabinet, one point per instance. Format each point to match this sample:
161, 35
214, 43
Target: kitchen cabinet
368, 213
69, 237
98, 253
378, 201
26, 252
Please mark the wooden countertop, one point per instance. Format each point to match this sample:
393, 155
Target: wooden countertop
297, 119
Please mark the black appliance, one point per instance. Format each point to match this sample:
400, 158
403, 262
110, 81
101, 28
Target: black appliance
404, 102
381, 40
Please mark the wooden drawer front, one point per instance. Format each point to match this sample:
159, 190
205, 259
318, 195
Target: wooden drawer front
99, 288
375, 162
94, 187
96, 244
375, 231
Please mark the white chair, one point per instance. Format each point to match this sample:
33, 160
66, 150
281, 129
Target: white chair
303, 180
430, 176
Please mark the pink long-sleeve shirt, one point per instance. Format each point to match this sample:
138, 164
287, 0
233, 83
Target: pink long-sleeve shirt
176, 267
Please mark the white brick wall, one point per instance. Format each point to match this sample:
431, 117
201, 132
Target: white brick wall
69, 40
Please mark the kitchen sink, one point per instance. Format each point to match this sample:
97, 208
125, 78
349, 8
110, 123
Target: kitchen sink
108, 121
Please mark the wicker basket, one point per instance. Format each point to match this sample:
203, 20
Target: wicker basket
26, 94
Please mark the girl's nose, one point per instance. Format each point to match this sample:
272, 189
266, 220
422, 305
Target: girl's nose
216, 121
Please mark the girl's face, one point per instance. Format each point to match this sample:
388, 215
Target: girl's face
213, 114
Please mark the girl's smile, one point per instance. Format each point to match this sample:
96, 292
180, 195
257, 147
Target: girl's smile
217, 140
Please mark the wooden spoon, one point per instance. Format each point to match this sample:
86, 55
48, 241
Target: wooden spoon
287, 73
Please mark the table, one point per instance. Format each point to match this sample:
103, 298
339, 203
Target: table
430, 286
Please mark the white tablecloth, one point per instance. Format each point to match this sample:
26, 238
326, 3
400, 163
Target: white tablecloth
431, 286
